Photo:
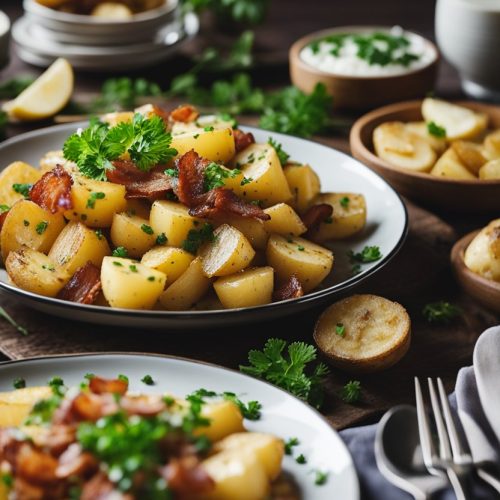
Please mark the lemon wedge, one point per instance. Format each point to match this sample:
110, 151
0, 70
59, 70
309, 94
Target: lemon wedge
46, 96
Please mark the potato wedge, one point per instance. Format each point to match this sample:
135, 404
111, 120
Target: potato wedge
18, 172
29, 225
482, 256
253, 229
304, 184
229, 253
130, 285
251, 287
173, 220
490, 170
133, 233
225, 419
284, 220
311, 263
169, 260
95, 202
76, 245
16, 405
348, 218
186, 290
35, 272
492, 145
470, 155
458, 121
450, 166
399, 147
375, 333
438, 144
260, 164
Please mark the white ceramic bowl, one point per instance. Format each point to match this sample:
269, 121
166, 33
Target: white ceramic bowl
468, 34
4, 38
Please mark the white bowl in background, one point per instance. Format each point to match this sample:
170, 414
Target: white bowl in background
4, 38
468, 34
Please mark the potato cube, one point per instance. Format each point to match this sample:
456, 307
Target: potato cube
450, 166
225, 419
133, 233
16, 173
169, 260
284, 220
304, 184
253, 230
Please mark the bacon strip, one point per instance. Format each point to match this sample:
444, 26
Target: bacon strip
221, 201
191, 181
100, 385
316, 215
153, 184
186, 477
142, 405
184, 113
242, 140
75, 462
84, 286
52, 191
291, 289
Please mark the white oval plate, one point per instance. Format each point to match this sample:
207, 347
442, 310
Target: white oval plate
282, 414
387, 226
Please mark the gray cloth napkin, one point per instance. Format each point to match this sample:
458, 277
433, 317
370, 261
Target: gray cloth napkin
360, 441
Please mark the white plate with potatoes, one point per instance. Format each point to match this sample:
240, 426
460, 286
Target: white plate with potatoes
282, 415
385, 229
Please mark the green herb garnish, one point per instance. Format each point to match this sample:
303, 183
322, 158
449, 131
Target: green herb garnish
19, 383
282, 155
340, 329
301, 459
23, 189
148, 380
196, 237
368, 254
93, 197
120, 252
5, 208
290, 444
344, 201
10, 89
215, 175
147, 229
161, 239
351, 392
436, 130
320, 478
173, 172
41, 226
7, 317
441, 312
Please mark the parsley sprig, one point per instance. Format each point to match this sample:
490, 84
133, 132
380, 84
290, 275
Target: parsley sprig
196, 237
351, 392
290, 370
435, 130
441, 312
368, 254
282, 155
215, 175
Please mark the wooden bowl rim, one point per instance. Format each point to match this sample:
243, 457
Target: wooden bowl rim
365, 154
458, 264
298, 45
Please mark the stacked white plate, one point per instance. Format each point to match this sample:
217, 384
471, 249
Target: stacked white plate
43, 34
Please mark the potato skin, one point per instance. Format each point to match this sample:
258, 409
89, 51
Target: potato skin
169, 260
251, 287
25, 225
304, 185
18, 172
311, 263
133, 233
129, 284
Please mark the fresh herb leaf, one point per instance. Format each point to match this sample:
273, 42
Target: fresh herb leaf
282, 155
23, 189
148, 380
41, 227
196, 237
368, 254
251, 410
7, 317
351, 392
320, 478
161, 239
123, 378
301, 459
290, 370
5, 208
436, 130
290, 444
173, 172
7, 479
19, 383
147, 229
340, 329
133, 268
441, 312
93, 197
215, 175
344, 201
120, 252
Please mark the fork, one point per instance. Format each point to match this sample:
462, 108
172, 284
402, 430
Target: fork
452, 459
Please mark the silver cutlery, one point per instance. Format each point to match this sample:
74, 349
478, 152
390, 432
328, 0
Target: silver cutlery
452, 459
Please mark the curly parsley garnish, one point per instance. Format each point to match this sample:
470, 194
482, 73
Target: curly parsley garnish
282, 155
196, 237
441, 312
93, 197
216, 174
435, 130
368, 254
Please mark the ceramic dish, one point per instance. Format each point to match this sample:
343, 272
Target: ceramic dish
474, 196
4, 38
386, 227
361, 92
282, 414
485, 291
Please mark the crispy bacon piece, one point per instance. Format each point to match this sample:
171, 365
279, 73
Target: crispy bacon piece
84, 286
52, 191
291, 289
143, 406
85, 406
100, 385
3, 216
153, 184
191, 181
59, 438
316, 215
221, 201
242, 140
35, 466
76, 462
184, 113
185, 477
99, 487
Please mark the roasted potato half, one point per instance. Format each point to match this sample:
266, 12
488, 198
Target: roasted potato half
482, 256
169, 260
304, 185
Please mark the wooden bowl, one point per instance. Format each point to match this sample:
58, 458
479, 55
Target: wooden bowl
358, 92
485, 291
474, 196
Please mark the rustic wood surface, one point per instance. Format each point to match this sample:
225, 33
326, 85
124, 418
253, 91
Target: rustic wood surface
420, 273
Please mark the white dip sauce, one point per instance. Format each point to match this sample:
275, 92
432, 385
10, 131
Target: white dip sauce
344, 59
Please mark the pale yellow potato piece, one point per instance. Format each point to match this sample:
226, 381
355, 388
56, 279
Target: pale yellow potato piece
268, 449
375, 333
261, 166
490, 170
18, 172
348, 217
215, 145
199, 125
51, 159
236, 475
118, 117
225, 419
173, 220
450, 166
35, 272
16, 405
229, 253
248, 288
112, 11
470, 155
96, 212
438, 144
482, 256
401, 148
27, 224
492, 145
304, 184
133, 233
76, 245
253, 229
311, 263
284, 220
188, 289
129, 284
169, 260
458, 121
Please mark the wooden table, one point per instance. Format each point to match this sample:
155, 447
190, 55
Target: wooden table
419, 274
